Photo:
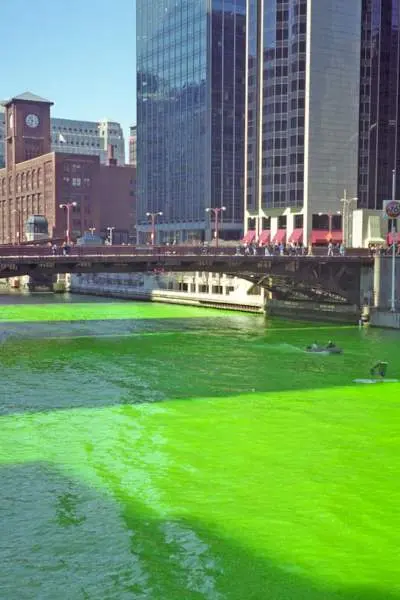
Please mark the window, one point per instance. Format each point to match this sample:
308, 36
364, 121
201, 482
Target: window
76, 181
282, 222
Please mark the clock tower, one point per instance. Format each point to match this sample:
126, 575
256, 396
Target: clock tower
28, 132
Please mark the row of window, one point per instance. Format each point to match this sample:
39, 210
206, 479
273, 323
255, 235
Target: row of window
295, 140
86, 131
77, 181
24, 181
73, 143
280, 160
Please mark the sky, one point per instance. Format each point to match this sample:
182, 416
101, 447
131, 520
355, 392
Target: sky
80, 54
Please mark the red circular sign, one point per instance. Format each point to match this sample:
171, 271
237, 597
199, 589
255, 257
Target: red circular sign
393, 209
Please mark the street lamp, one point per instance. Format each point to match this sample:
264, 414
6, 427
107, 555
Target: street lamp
330, 217
153, 216
68, 206
92, 230
394, 246
110, 234
216, 212
347, 214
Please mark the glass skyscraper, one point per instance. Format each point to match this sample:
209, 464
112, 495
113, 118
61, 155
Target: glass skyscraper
191, 62
379, 151
303, 63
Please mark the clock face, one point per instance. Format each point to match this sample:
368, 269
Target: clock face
32, 121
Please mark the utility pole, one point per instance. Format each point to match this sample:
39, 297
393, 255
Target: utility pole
68, 206
110, 234
216, 212
394, 246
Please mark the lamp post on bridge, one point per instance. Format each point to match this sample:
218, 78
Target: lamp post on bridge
216, 212
68, 206
153, 216
110, 234
392, 211
330, 217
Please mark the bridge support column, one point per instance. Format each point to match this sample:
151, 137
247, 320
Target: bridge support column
41, 281
377, 280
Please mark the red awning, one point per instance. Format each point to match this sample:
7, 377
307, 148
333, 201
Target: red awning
249, 237
335, 236
265, 237
319, 236
280, 236
297, 236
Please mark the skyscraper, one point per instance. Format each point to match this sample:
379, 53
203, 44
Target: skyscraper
379, 151
302, 117
190, 115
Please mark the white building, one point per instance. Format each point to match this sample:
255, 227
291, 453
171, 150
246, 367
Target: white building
302, 118
133, 145
80, 137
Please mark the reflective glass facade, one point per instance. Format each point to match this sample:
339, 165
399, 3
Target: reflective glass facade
379, 102
190, 126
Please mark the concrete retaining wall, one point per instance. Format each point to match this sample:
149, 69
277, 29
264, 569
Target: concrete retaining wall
311, 311
381, 318
383, 282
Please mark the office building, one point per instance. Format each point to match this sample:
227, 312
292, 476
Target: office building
80, 137
133, 145
379, 150
302, 117
190, 125
36, 180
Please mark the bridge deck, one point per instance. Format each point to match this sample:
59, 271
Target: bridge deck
319, 278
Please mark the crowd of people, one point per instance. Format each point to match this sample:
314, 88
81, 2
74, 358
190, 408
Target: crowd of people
375, 249
64, 249
290, 249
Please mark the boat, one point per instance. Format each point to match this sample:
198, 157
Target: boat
324, 350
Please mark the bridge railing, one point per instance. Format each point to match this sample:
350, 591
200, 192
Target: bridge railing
27, 251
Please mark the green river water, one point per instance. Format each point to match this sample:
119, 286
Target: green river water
155, 452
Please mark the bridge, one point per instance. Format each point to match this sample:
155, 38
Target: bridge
333, 280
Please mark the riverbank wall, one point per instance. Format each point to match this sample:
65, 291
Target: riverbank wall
312, 311
209, 291
206, 290
385, 319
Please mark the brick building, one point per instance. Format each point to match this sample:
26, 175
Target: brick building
36, 180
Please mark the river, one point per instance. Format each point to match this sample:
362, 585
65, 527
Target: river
157, 452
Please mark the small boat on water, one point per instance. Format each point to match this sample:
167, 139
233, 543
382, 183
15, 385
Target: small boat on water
324, 349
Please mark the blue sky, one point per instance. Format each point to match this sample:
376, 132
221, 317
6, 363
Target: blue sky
81, 54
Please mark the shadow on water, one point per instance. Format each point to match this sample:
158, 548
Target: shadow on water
22, 297
63, 539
